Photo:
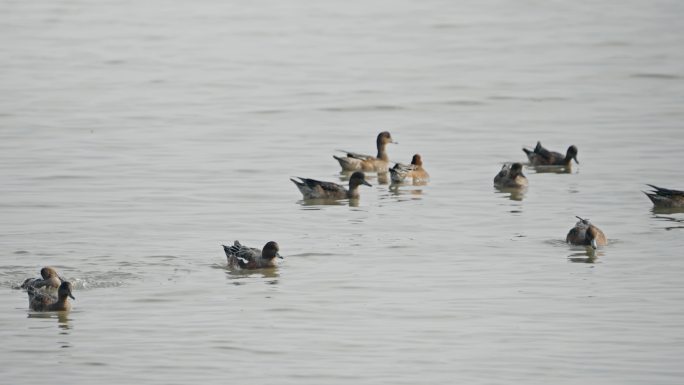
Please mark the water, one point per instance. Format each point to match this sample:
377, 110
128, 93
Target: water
135, 137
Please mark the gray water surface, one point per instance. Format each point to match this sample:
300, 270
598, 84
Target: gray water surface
136, 137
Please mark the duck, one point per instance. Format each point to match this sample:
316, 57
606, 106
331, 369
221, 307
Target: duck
50, 279
665, 197
40, 301
415, 171
360, 162
510, 176
586, 234
315, 189
252, 258
540, 156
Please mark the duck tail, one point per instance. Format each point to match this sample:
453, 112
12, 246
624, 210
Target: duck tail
538, 147
663, 191
297, 182
653, 197
343, 160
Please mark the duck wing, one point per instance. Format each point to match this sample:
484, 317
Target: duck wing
401, 168
503, 174
399, 172
356, 155
39, 300
325, 186
245, 256
543, 152
29, 282
534, 152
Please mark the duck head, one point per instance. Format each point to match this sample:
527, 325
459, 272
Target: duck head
384, 138
571, 154
65, 290
516, 169
270, 250
356, 179
48, 272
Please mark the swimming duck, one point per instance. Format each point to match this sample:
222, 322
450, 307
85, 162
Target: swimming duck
401, 172
49, 279
510, 176
586, 234
666, 198
40, 301
315, 189
543, 157
361, 162
251, 258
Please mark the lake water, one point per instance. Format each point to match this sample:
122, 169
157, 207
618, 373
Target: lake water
136, 137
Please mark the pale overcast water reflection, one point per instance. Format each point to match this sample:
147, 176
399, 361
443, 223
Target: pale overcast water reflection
136, 137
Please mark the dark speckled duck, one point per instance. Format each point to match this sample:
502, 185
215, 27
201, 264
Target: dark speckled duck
511, 176
316, 189
252, 258
540, 156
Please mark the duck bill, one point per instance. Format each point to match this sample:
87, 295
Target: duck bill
594, 245
575, 159
279, 256
71, 296
367, 184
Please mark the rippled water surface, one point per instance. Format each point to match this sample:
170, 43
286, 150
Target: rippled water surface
136, 137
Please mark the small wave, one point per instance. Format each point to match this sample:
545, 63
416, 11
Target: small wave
463, 103
62, 177
114, 62
311, 255
91, 283
378, 107
447, 26
537, 99
556, 242
164, 257
77, 283
269, 112
655, 76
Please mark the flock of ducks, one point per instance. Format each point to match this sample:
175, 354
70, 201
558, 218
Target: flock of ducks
41, 291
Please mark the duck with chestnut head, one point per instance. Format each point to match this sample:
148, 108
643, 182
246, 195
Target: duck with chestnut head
586, 234
414, 172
